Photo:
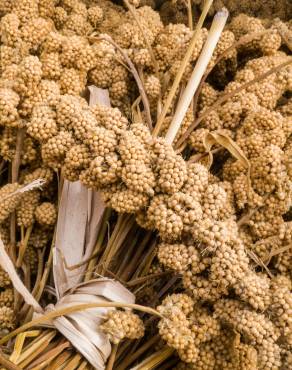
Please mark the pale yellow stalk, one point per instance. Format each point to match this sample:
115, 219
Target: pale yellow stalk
182, 68
217, 27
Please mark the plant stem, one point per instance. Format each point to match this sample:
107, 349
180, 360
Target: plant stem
124, 225
243, 40
17, 158
130, 359
23, 246
38, 289
182, 68
199, 156
44, 360
149, 47
142, 279
200, 68
227, 96
136, 77
47, 317
190, 14
128, 254
144, 267
132, 264
73, 363
112, 358
154, 360
14, 177
8, 365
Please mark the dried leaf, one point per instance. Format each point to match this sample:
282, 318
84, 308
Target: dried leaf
80, 213
8, 266
219, 137
36, 184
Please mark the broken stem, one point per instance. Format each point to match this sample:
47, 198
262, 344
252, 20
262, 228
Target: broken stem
218, 24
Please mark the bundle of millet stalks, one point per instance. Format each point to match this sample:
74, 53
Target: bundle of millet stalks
154, 142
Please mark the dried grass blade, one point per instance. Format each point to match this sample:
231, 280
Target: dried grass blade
70, 234
34, 349
219, 137
19, 342
136, 77
8, 266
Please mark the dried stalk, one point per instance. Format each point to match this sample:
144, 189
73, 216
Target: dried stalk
279, 251
17, 158
136, 77
227, 96
38, 289
154, 360
72, 364
23, 246
128, 255
45, 359
149, 47
218, 24
122, 228
8, 365
259, 262
19, 343
112, 359
144, 267
60, 361
34, 348
130, 359
190, 14
75, 308
14, 177
182, 68
142, 279
197, 157
243, 40
131, 266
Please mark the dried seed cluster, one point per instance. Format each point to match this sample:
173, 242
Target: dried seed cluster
222, 228
119, 325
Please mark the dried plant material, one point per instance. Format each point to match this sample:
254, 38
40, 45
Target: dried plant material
216, 254
182, 68
78, 229
8, 266
221, 138
36, 184
202, 63
79, 329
